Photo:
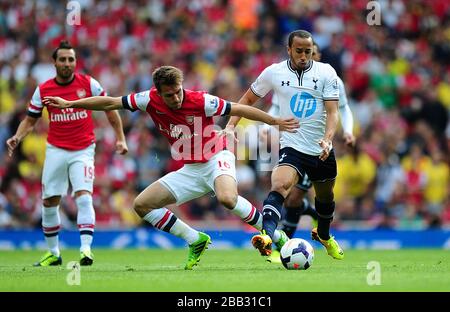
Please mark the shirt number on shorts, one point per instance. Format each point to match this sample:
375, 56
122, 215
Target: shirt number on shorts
224, 164
88, 172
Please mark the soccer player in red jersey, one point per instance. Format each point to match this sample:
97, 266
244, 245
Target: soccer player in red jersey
69, 153
185, 118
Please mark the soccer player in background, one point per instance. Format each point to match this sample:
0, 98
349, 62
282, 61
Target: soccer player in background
308, 91
185, 118
297, 204
70, 151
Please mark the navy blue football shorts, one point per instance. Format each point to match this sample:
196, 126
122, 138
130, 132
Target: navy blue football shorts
315, 169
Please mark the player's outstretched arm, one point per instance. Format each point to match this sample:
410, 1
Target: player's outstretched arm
249, 112
99, 103
249, 98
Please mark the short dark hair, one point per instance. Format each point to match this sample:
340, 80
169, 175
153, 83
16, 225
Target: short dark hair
166, 75
298, 33
64, 44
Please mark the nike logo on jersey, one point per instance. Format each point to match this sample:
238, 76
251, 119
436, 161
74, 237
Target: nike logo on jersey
161, 113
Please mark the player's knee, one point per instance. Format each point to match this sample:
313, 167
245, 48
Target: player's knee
324, 191
141, 207
228, 199
281, 187
51, 201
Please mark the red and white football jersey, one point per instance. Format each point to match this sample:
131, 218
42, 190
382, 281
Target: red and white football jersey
69, 128
190, 129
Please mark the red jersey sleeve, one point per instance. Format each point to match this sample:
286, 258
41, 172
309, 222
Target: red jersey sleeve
215, 106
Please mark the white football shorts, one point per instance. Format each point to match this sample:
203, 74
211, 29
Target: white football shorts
195, 180
62, 166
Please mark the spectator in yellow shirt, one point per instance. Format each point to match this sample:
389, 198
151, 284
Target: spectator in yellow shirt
436, 188
356, 172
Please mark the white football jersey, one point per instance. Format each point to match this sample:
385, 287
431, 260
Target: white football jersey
344, 109
300, 94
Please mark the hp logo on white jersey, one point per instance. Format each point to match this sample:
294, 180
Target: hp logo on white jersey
303, 105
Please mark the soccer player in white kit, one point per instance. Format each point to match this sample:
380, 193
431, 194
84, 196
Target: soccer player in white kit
185, 118
296, 204
309, 91
69, 153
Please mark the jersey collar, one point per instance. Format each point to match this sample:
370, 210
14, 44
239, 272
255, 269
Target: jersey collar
308, 67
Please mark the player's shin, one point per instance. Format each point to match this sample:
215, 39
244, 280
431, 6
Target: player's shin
272, 212
51, 224
85, 221
248, 213
164, 220
325, 212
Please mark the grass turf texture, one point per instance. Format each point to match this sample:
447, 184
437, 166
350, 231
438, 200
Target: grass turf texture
228, 270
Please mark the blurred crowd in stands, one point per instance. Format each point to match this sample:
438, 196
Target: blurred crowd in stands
397, 76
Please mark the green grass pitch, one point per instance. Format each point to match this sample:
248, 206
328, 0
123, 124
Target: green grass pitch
158, 270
